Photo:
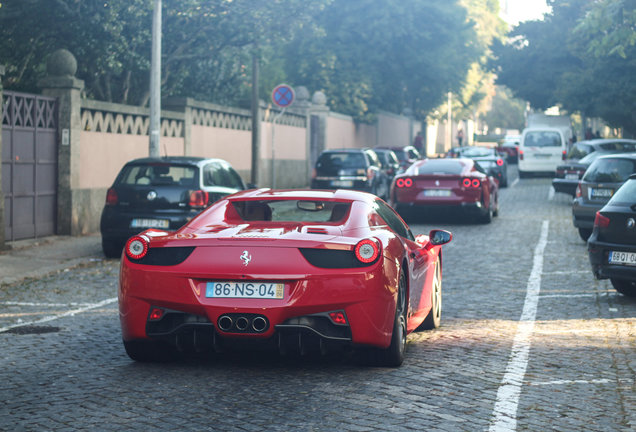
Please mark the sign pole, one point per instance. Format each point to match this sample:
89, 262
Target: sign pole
282, 96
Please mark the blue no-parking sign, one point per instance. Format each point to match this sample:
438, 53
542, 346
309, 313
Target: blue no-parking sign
283, 95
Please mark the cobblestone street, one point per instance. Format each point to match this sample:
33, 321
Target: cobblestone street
568, 365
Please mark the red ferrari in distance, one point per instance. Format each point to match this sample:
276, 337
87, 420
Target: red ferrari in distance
460, 184
303, 270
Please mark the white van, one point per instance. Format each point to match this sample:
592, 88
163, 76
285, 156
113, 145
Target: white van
542, 149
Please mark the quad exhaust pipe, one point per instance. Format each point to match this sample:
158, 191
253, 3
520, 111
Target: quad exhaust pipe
243, 323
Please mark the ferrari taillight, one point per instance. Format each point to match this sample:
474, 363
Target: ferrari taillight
404, 182
601, 221
111, 197
137, 247
199, 198
499, 162
367, 250
467, 183
338, 317
155, 314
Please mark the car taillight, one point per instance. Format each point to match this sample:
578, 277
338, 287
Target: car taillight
367, 250
111, 197
199, 198
520, 154
579, 191
601, 221
471, 183
338, 317
404, 182
499, 162
563, 154
370, 173
137, 247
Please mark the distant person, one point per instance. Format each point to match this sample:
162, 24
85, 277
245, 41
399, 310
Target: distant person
597, 134
460, 137
588, 134
418, 143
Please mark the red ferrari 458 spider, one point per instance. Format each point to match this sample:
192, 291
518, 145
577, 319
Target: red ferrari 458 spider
298, 269
458, 184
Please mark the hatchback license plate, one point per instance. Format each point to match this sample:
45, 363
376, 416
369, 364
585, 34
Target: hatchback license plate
150, 223
437, 192
342, 183
253, 290
628, 258
570, 176
601, 193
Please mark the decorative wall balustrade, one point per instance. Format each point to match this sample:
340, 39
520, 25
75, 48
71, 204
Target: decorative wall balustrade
28, 111
121, 119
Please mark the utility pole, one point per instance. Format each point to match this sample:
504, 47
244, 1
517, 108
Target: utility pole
155, 82
256, 119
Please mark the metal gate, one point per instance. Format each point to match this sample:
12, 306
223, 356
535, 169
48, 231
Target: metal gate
29, 165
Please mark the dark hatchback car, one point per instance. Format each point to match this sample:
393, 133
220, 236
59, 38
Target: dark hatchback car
488, 158
579, 158
357, 169
389, 161
405, 154
162, 193
599, 183
612, 245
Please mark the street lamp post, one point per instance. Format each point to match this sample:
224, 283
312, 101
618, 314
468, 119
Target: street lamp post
155, 82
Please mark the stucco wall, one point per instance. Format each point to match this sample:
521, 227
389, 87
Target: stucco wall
103, 154
393, 130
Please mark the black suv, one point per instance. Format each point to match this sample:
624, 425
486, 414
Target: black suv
162, 193
357, 169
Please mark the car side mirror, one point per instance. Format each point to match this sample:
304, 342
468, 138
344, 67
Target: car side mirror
440, 237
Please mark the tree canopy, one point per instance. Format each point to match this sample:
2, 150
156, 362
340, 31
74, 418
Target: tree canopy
364, 54
582, 57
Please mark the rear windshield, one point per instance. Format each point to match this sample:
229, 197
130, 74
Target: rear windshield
292, 210
441, 166
341, 160
159, 174
626, 194
609, 171
579, 151
542, 139
477, 152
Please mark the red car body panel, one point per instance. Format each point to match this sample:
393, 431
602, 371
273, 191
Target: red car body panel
367, 294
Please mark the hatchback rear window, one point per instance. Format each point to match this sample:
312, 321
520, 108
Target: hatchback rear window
159, 174
609, 171
626, 194
542, 139
342, 160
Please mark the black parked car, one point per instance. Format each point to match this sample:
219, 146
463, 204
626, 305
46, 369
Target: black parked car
357, 169
389, 161
162, 193
579, 158
407, 155
599, 183
612, 245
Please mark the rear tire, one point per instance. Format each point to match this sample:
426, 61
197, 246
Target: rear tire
434, 317
147, 351
393, 356
624, 286
111, 248
585, 233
